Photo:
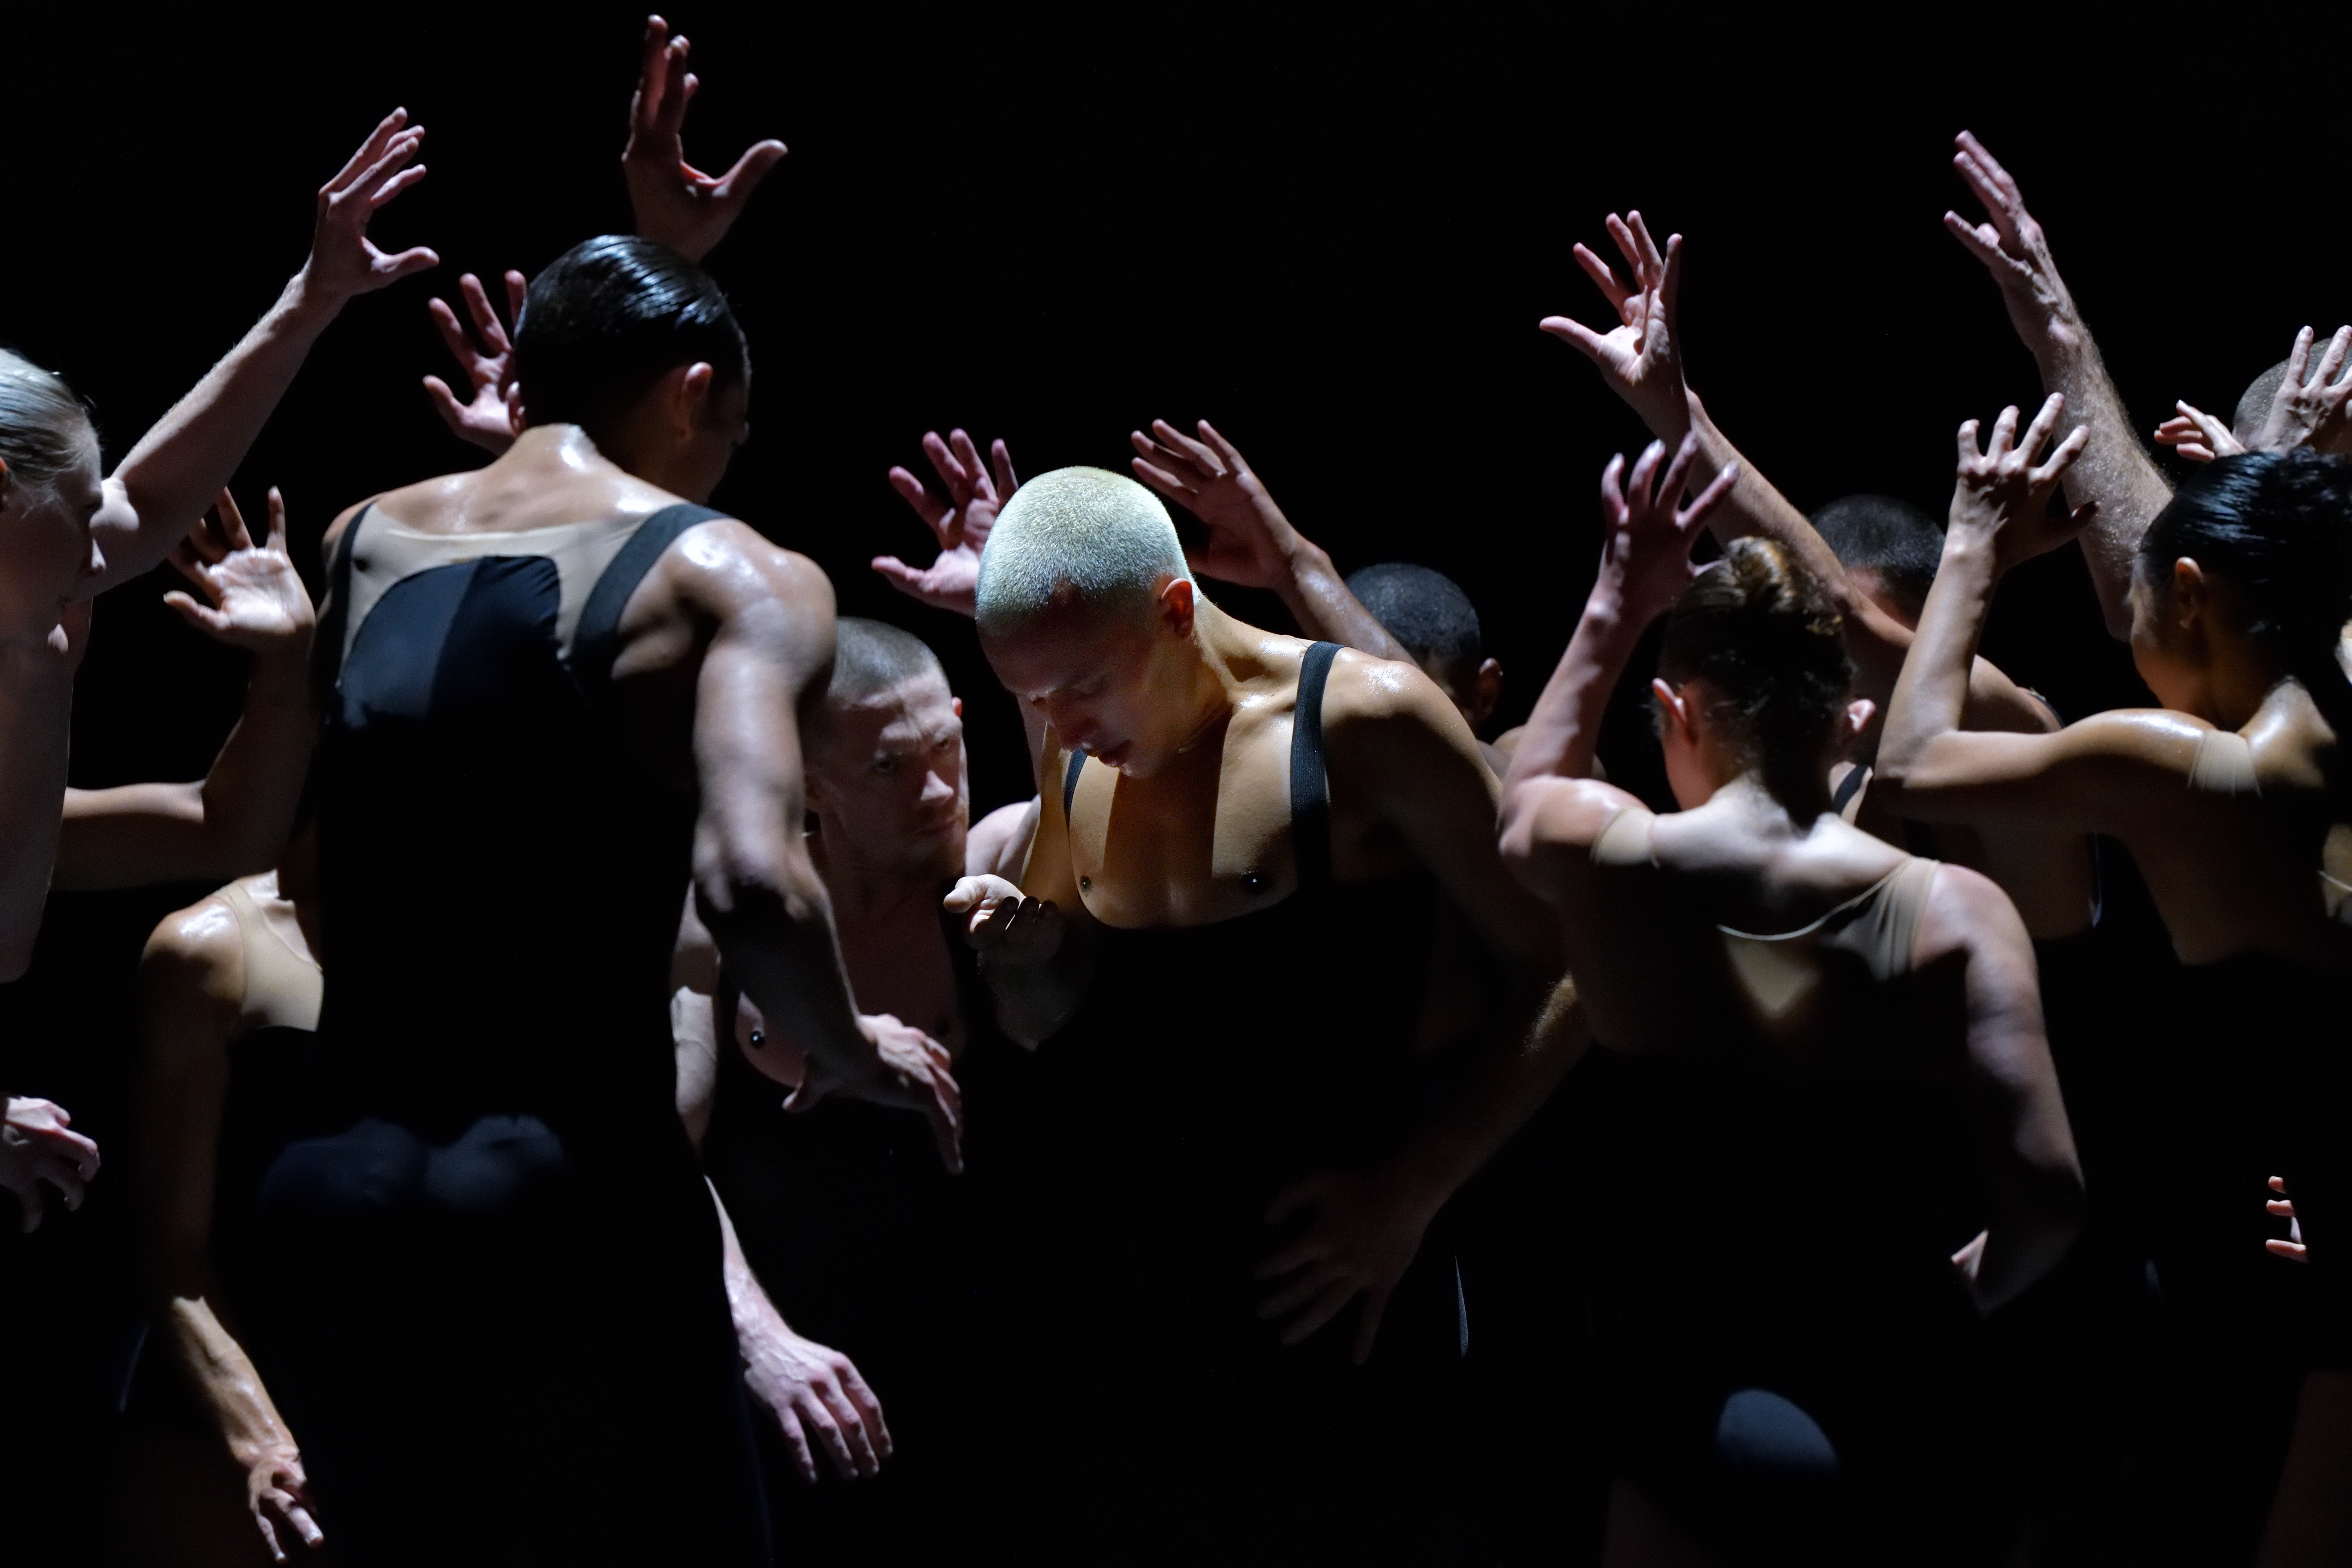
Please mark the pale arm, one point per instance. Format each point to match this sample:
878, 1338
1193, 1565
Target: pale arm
1250, 540
237, 819
2115, 472
172, 474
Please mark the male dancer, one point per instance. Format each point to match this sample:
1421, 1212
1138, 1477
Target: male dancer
560, 681
1237, 839
859, 1231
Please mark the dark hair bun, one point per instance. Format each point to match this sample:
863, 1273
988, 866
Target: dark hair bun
1766, 638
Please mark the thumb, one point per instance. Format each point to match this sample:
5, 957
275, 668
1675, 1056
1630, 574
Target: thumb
445, 402
1577, 334
739, 182
967, 894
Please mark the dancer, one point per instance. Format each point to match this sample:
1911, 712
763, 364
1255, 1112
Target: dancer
2299, 402
1436, 625
1238, 831
1802, 1383
2047, 876
2224, 797
559, 682
864, 1237
69, 533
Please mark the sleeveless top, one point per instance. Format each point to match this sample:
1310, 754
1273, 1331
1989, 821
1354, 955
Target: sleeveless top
1209, 1066
501, 882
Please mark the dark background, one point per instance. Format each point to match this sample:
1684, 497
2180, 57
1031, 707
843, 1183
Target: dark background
1336, 243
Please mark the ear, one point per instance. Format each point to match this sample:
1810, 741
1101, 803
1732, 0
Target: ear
956, 703
812, 794
2191, 596
1858, 715
518, 420
1676, 711
1486, 692
691, 402
1176, 607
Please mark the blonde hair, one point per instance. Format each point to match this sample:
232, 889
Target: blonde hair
1082, 533
44, 428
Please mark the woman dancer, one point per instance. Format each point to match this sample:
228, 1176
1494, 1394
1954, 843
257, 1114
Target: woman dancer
1803, 1027
2224, 797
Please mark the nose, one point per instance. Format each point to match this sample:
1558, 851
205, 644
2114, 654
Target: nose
936, 788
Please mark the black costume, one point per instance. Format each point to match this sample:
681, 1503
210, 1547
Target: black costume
1208, 1068
486, 1276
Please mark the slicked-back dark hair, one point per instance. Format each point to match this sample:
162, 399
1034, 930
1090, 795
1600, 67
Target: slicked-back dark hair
607, 318
1898, 541
1427, 612
2277, 527
1766, 639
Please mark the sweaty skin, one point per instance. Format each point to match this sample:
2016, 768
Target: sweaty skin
2047, 875
1190, 824
725, 632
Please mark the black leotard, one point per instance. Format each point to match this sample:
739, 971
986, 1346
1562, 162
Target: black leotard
1208, 1068
487, 1281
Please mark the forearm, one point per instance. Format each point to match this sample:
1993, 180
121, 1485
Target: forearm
1317, 599
1517, 1075
1564, 731
1756, 507
35, 720
775, 936
181, 464
224, 1380
1931, 695
2114, 471
235, 823
747, 1302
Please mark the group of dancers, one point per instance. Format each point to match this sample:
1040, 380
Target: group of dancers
618, 1106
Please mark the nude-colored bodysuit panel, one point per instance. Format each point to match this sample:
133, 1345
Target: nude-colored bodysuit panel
388, 553
283, 988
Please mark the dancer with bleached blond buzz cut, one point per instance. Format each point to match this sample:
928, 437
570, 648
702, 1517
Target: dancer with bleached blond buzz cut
1215, 1259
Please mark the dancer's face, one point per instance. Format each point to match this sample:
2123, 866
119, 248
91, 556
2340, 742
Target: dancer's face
1114, 682
886, 774
49, 555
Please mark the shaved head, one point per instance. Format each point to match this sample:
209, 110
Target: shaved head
1082, 537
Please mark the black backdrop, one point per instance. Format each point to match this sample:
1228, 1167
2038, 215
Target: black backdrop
1336, 242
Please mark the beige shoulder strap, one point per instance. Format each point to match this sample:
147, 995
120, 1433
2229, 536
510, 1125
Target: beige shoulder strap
1889, 927
1624, 840
2224, 764
282, 987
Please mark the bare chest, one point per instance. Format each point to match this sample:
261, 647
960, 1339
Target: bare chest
900, 965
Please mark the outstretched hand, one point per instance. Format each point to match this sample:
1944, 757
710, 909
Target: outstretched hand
1641, 357
278, 1495
1646, 562
908, 1069
674, 202
38, 1146
253, 597
2002, 492
343, 260
2309, 408
1249, 539
1366, 1229
486, 420
2011, 247
818, 1398
961, 525
2197, 435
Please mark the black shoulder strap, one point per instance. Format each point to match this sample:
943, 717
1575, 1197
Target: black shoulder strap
1310, 782
1070, 782
596, 641
327, 652
1849, 786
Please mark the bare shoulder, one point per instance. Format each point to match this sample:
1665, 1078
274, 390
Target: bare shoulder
1387, 711
2157, 737
725, 567
198, 953
1966, 912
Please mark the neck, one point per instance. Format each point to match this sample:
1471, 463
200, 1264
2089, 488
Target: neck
1225, 658
1795, 804
560, 445
862, 893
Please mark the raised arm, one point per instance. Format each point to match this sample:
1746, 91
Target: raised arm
2115, 472
2025, 1148
190, 1007
1640, 360
172, 474
674, 202
1250, 541
236, 820
771, 617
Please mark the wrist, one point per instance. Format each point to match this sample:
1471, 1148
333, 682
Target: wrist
308, 304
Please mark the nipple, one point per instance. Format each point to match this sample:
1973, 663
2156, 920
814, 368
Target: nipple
1254, 882
759, 1038
1086, 884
